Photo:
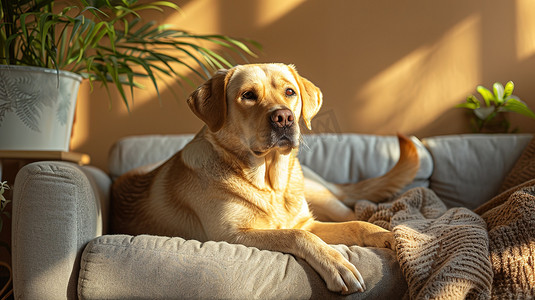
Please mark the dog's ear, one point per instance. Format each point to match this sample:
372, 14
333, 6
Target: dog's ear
209, 101
311, 97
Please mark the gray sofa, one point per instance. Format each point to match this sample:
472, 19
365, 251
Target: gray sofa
61, 247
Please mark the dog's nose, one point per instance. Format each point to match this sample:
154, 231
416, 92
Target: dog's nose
282, 118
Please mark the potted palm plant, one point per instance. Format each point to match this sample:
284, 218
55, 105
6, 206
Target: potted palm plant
47, 47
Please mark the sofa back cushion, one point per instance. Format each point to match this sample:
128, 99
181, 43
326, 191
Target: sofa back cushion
469, 169
136, 151
344, 158
339, 158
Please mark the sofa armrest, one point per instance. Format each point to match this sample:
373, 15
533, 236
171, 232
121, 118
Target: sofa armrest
157, 267
57, 210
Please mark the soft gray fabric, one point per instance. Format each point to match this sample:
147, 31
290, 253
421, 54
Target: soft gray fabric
344, 158
55, 213
100, 183
151, 267
339, 158
136, 151
469, 169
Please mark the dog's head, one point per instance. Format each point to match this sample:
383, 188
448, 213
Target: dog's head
257, 107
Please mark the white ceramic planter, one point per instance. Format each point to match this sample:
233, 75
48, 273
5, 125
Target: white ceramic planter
36, 108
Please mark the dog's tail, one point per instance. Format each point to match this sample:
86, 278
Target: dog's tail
382, 188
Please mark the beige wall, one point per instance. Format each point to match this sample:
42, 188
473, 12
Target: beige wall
383, 66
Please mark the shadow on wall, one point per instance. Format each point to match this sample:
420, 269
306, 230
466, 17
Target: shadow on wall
383, 66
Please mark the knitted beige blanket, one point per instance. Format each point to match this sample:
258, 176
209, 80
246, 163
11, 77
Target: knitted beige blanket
511, 226
458, 254
510, 219
443, 254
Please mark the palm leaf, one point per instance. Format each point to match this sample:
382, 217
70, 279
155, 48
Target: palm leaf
107, 41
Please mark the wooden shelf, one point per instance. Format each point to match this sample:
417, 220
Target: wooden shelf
31, 155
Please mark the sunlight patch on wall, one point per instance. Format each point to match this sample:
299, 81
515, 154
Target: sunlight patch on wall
424, 84
525, 28
270, 11
196, 16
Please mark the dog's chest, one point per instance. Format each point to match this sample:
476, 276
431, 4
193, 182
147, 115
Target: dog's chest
281, 210
287, 207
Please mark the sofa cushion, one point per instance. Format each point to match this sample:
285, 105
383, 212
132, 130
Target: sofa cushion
339, 158
344, 158
151, 267
469, 169
136, 151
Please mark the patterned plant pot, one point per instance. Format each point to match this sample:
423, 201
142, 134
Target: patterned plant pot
36, 108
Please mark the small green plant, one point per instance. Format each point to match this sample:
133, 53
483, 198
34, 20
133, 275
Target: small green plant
3, 203
491, 117
7, 289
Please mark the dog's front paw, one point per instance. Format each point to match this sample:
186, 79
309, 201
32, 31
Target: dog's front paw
383, 239
390, 241
339, 274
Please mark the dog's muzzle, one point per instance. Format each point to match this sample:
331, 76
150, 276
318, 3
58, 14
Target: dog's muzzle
283, 128
282, 118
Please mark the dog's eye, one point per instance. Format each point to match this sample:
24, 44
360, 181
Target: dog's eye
249, 95
289, 92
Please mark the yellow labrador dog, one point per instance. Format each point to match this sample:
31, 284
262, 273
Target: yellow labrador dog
239, 179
